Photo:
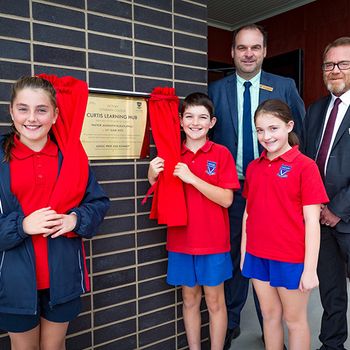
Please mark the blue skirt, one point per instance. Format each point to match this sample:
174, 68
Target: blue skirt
278, 273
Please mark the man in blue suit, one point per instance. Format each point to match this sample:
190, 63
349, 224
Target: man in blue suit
228, 94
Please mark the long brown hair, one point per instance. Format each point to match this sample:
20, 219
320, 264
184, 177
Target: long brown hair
280, 110
20, 84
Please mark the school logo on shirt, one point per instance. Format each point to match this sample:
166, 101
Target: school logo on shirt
211, 167
284, 170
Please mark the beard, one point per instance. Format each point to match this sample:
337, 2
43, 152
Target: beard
336, 88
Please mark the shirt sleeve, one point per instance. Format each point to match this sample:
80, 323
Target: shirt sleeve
245, 190
228, 174
312, 188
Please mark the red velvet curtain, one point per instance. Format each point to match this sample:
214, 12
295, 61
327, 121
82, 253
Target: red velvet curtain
72, 95
169, 205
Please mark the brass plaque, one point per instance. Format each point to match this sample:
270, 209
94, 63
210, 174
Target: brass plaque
115, 127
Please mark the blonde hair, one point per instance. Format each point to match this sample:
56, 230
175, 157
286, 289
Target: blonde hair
343, 41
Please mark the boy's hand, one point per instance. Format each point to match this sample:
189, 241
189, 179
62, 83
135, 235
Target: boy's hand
184, 173
156, 166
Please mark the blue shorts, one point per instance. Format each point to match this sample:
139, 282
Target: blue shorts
17, 323
278, 273
204, 270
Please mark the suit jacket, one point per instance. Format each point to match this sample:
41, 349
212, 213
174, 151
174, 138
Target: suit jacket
224, 95
337, 180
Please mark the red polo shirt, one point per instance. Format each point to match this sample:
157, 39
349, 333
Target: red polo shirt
276, 192
33, 176
207, 230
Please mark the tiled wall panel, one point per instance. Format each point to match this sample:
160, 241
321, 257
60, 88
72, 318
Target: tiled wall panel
130, 45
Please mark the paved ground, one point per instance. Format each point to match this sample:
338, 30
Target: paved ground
250, 338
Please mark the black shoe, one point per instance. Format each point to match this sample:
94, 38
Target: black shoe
263, 340
231, 334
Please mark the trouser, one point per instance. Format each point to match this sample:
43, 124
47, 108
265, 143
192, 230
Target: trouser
236, 288
333, 269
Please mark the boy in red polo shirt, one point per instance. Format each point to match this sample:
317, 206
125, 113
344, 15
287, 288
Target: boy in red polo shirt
199, 253
281, 230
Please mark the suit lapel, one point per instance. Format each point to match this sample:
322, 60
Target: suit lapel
264, 94
264, 91
323, 107
231, 92
344, 126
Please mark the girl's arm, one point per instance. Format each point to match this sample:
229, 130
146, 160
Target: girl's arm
218, 195
244, 237
309, 279
15, 227
11, 230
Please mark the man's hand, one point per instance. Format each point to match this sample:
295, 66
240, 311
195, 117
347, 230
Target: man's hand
328, 218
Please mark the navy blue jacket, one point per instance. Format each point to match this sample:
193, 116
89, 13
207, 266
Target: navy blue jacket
224, 96
18, 291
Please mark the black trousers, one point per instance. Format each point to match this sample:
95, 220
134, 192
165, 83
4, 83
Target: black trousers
333, 270
236, 288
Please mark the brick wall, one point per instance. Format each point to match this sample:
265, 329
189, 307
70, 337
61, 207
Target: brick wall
130, 45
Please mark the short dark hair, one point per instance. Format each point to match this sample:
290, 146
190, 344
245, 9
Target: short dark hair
198, 99
252, 26
280, 110
343, 41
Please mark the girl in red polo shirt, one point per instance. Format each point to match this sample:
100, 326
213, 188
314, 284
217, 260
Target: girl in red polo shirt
199, 253
281, 231
42, 260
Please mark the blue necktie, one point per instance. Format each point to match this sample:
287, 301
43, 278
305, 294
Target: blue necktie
248, 149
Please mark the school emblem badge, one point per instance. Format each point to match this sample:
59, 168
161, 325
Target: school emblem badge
211, 167
284, 170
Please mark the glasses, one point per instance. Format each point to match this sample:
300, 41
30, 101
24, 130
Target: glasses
329, 66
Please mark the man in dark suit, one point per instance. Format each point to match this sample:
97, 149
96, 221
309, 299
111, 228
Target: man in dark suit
327, 140
236, 98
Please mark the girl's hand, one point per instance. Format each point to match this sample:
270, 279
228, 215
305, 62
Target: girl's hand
308, 281
242, 261
41, 221
156, 166
184, 173
67, 224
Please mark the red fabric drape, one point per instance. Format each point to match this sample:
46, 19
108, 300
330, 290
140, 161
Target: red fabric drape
72, 95
169, 205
